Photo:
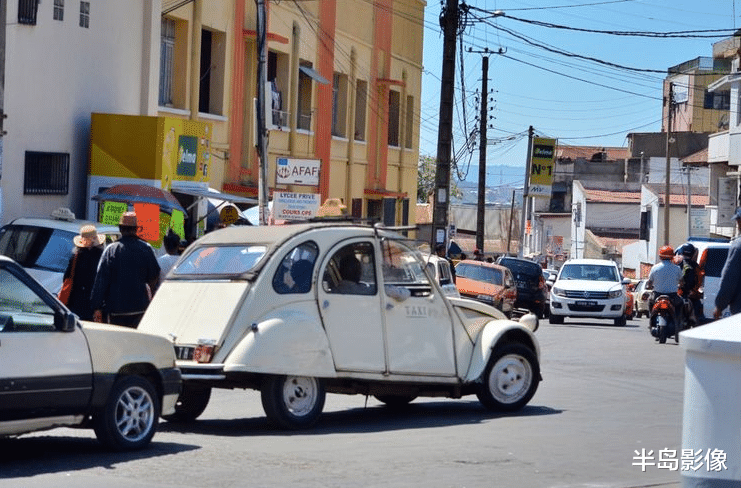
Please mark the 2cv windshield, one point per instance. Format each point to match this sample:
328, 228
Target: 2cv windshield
220, 260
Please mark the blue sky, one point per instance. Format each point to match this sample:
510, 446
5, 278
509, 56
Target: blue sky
577, 101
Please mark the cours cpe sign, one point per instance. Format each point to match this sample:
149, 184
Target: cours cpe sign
290, 171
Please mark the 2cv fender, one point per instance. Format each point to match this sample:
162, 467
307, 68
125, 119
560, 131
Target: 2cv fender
289, 342
505, 364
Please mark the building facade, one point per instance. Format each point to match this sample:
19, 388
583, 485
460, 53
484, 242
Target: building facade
344, 87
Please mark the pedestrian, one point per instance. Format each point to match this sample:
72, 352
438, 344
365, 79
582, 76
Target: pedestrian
127, 274
171, 241
440, 251
729, 293
82, 268
478, 255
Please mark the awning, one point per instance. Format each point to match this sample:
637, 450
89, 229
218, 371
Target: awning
724, 82
313, 75
213, 194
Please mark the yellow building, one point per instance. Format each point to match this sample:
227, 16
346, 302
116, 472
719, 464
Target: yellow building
344, 87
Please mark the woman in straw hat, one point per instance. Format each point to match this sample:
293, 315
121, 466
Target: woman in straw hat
84, 265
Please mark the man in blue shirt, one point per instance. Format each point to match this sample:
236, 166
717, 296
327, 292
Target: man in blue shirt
128, 272
664, 276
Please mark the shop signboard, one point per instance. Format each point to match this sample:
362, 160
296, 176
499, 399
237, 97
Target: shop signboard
291, 171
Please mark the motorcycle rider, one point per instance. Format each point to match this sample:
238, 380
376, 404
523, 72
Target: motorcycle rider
689, 284
664, 278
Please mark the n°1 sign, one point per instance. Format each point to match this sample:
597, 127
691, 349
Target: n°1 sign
290, 171
542, 160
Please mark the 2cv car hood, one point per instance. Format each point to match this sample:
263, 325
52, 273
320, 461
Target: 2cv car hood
190, 311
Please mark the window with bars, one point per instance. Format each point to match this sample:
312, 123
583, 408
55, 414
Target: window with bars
394, 111
85, 15
27, 10
167, 61
46, 173
58, 9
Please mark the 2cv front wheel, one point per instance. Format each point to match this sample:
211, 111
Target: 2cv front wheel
510, 379
293, 402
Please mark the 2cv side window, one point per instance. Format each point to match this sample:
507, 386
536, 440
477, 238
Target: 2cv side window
351, 271
294, 275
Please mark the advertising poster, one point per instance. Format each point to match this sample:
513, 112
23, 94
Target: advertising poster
290, 171
542, 161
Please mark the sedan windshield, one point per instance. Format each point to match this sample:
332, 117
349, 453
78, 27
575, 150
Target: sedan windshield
220, 260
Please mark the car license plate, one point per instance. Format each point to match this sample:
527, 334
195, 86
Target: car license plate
586, 303
184, 352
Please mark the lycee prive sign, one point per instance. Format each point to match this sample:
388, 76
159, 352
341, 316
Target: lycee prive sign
295, 206
289, 171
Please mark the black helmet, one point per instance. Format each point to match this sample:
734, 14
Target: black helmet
688, 250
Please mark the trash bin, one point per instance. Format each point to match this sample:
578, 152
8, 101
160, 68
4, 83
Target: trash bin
711, 420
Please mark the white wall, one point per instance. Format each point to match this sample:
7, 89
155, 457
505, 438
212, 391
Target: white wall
57, 74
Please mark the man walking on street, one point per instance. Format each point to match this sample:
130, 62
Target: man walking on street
127, 274
729, 293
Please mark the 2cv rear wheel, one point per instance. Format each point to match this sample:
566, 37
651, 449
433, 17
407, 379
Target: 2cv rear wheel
191, 403
293, 402
510, 379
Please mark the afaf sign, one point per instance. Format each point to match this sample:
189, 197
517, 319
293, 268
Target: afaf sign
290, 171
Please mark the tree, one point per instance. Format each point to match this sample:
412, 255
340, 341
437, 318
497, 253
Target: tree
426, 170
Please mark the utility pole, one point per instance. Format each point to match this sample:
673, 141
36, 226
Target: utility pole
449, 24
525, 191
667, 187
262, 79
481, 211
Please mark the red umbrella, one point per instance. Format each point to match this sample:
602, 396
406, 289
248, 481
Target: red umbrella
140, 194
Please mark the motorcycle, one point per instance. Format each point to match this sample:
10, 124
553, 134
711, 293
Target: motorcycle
666, 320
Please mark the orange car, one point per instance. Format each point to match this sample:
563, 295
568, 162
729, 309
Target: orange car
488, 283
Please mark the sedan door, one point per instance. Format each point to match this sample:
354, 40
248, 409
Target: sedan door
44, 371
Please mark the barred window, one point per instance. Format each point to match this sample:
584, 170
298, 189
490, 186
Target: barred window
167, 61
27, 10
85, 15
58, 9
46, 173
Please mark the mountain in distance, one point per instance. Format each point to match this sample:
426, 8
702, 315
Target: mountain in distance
501, 180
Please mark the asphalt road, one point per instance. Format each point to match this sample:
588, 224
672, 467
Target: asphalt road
607, 391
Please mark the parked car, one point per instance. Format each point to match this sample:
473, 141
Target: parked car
59, 371
489, 283
440, 269
297, 311
532, 291
588, 288
629, 304
712, 257
640, 299
44, 246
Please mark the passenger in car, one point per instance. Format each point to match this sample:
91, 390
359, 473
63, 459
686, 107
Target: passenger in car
301, 276
350, 272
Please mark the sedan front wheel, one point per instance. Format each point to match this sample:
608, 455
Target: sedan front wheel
293, 402
510, 379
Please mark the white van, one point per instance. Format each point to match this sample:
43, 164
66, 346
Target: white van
711, 259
